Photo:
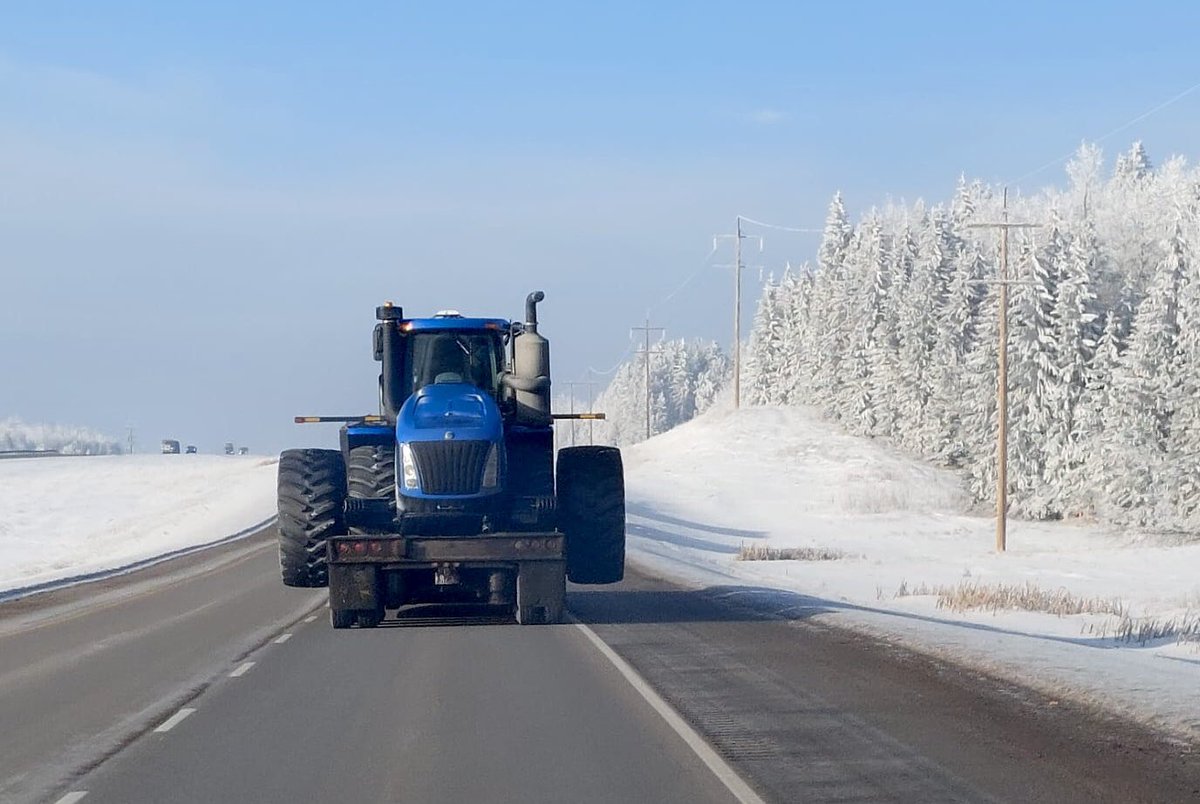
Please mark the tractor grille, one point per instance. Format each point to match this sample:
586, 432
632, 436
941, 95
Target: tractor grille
450, 467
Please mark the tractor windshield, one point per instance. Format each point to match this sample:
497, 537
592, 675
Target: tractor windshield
476, 358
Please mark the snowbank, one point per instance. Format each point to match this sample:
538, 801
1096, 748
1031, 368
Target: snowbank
64, 517
781, 477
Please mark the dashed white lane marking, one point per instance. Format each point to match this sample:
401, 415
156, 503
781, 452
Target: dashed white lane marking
282, 639
715, 763
174, 720
310, 618
241, 671
72, 797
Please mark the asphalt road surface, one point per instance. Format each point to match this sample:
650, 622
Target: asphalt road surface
205, 680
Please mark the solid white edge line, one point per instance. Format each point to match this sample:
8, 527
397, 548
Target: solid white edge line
283, 638
714, 761
72, 797
310, 618
241, 670
174, 720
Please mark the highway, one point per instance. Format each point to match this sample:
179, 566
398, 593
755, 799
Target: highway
205, 680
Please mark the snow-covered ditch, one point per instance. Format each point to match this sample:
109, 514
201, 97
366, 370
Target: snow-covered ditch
780, 478
67, 517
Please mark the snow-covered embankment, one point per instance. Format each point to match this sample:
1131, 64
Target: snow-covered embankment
782, 478
66, 517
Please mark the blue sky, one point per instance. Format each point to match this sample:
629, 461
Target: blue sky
200, 204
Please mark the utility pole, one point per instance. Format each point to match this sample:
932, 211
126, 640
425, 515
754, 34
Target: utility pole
1002, 373
130, 440
646, 330
737, 307
737, 316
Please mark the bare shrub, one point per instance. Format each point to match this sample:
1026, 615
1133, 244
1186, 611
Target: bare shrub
761, 552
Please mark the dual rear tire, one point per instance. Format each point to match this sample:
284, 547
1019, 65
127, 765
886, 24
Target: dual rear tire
591, 513
312, 498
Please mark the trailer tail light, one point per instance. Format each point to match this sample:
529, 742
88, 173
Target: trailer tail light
370, 548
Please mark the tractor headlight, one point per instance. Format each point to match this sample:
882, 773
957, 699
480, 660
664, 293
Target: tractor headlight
409, 468
491, 468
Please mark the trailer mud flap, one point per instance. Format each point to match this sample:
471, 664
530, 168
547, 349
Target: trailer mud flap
353, 586
541, 592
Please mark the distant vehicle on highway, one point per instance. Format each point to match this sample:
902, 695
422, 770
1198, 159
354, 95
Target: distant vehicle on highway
228, 447
243, 450
191, 449
170, 446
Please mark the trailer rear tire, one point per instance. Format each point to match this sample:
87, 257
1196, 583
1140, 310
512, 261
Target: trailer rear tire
312, 498
371, 475
591, 513
342, 618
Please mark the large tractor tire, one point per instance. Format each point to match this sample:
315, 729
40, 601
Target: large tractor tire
591, 513
312, 498
371, 475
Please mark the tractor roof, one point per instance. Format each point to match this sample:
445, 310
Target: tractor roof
454, 322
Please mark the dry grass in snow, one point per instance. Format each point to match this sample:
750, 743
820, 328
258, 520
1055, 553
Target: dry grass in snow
761, 552
969, 596
1183, 628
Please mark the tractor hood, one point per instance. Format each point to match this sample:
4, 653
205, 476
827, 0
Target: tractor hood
447, 412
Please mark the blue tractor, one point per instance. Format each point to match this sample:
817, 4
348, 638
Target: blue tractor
452, 493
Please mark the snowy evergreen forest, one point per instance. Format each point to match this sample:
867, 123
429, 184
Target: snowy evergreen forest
686, 378
894, 334
18, 435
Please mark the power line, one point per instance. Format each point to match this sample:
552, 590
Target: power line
704, 265
781, 228
1114, 132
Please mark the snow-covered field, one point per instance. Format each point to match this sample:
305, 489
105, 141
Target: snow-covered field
66, 517
781, 477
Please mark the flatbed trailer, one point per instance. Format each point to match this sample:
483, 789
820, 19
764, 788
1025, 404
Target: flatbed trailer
369, 573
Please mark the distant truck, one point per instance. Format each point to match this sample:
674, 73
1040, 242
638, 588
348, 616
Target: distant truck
170, 446
191, 449
228, 447
243, 450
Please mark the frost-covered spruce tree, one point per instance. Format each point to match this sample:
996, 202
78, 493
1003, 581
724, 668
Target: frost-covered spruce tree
882, 339
1073, 328
918, 312
763, 370
979, 404
1144, 396
954, 338
830, 307
854, 403
1180, 505
1086, 479
795, 379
